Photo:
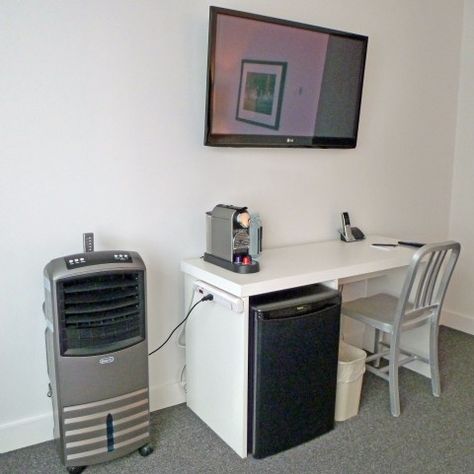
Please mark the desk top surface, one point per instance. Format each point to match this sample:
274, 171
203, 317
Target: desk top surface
297, 265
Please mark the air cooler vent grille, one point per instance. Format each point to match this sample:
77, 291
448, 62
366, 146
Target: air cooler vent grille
101, 312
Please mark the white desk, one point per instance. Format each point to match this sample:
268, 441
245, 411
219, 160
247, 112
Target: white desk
217, 338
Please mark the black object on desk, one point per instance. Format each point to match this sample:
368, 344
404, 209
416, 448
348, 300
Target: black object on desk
400, 242
293, 354
411, 244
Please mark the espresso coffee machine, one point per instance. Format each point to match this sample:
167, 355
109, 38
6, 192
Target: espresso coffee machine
228, 239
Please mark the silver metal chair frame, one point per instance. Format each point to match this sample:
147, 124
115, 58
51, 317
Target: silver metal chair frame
419, 303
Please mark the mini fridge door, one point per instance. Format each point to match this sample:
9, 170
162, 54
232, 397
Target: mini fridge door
293, 375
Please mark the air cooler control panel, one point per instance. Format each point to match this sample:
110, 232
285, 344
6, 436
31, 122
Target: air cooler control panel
97, 258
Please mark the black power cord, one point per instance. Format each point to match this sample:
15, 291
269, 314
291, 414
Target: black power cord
208, 297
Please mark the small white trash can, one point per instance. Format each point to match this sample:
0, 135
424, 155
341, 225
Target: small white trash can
350, 371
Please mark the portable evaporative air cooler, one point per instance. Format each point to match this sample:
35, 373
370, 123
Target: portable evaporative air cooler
96, 346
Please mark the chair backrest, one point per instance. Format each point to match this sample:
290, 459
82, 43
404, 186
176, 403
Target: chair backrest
426, 283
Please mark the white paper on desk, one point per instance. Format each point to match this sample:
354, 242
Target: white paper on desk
380, 247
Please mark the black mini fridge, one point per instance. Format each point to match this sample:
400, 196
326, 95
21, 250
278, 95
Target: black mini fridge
293, 352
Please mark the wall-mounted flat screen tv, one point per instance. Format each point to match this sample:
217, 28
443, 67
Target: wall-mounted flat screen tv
278, 83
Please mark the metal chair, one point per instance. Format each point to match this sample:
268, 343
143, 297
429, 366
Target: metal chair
419, 303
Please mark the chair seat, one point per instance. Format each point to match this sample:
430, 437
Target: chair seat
377, 311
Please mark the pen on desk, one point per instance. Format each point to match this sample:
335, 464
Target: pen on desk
385, 245
411, 244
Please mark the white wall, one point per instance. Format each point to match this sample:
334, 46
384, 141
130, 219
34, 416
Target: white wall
101, 125
461, 296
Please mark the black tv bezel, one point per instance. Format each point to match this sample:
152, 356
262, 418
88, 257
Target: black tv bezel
273, 141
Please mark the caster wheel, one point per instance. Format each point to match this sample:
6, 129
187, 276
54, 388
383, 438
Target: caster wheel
145, 450
75, 469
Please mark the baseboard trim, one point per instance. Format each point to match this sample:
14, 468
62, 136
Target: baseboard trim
26, 432
461, 322
164, 396
38, 429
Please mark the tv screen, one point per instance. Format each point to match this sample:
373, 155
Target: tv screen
278, 83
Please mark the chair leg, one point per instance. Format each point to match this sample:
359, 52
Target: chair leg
393, 378
378, 335
434, 363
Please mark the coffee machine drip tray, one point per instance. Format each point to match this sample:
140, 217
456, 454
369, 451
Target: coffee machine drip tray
252, 267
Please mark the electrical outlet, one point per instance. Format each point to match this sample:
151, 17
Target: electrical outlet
221, 297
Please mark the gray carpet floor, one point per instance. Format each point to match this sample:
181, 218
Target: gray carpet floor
432, 435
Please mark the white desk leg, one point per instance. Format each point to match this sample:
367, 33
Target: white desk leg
217, 369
